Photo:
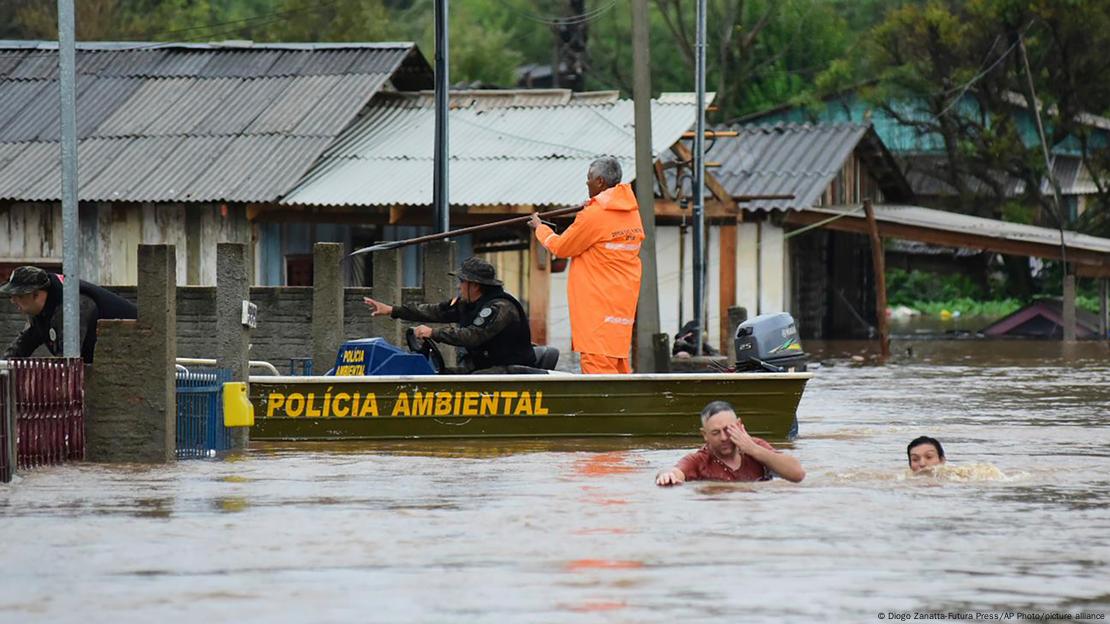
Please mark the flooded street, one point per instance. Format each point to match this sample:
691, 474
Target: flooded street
576, 531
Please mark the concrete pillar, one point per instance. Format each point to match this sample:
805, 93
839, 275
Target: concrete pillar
327, 305
232, 289
388, 280
439, 260
1069, 308
772, 269
1104, 309
131, 390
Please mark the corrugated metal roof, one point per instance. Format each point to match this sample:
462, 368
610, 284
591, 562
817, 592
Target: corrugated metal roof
929, 218
519, 154
794, 159
801, 160
187, 122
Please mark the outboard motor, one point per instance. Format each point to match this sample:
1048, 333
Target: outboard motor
769, 342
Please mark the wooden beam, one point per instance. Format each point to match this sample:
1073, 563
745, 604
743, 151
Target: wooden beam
727, 275
713, 134
714, 211
501, 209
1098, 262
396, 214
539, 290
711, 182
878, 264
661, 180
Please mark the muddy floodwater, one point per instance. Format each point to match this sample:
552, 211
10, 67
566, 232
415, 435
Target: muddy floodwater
575, 531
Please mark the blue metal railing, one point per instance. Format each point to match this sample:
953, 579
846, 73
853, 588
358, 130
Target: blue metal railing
200, 415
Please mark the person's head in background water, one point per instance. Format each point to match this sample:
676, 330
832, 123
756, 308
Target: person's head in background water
924, 452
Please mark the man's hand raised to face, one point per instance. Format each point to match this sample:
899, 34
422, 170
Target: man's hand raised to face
739, 436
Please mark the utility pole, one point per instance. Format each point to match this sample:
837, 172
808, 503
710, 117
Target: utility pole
699, 184
647, 311
441, 202
67, 50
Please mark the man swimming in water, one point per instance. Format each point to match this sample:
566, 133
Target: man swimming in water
924, 452
730, 454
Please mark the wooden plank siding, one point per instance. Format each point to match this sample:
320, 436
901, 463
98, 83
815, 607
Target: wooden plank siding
109, 235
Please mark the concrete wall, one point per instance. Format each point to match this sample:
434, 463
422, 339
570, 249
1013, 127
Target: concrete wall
284, 317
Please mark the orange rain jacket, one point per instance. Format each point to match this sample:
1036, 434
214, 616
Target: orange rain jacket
604, 283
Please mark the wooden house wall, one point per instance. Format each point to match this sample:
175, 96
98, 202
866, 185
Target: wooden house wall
109, 235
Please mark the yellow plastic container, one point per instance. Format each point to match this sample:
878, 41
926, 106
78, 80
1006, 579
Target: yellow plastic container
238, 411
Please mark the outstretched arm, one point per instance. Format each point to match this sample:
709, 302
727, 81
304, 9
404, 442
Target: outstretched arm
580, 236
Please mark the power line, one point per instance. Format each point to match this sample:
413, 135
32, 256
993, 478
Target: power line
557, 20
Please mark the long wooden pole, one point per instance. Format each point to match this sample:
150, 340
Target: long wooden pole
466, 230
878, 263
647, 308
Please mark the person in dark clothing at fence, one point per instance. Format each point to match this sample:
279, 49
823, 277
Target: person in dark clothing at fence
38, 295
491, 323
685, 345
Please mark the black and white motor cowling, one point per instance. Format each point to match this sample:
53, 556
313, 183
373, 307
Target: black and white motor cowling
769, 343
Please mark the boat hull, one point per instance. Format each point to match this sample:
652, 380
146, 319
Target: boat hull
493, 406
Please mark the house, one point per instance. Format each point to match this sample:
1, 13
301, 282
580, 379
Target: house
811, 255
1044, 318
922, 156
177, 143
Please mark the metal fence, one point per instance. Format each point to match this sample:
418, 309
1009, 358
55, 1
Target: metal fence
200, 414
7, 427
44, 412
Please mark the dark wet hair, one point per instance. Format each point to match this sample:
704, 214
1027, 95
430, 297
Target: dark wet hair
714, 408
925, 440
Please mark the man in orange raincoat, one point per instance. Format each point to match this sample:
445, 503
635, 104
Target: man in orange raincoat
604, 284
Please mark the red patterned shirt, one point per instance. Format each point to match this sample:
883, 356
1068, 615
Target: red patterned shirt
701, 465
